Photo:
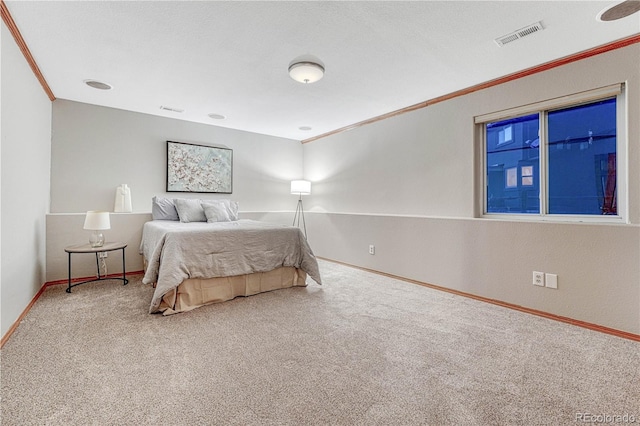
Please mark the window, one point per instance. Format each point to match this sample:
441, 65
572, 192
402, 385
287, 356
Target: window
558, 158
512, 168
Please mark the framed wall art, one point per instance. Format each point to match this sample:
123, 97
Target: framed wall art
199, 168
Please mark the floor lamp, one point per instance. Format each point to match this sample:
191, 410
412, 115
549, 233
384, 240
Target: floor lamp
300, 187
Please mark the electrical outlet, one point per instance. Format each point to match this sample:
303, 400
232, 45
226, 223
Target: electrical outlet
538, 278
103, 254
551, 280
372, 249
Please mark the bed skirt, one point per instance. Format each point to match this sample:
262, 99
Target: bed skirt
195, 292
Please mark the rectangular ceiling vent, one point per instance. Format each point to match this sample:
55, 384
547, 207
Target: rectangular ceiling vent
517, 35
166, 108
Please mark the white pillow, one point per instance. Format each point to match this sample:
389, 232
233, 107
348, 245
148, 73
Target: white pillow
189, 210
232, 207
216, 212
163, 209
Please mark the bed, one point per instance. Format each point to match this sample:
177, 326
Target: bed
199, 263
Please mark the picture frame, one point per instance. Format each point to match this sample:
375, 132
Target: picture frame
199, 168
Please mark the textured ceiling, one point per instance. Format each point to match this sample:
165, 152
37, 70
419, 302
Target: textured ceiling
231, 58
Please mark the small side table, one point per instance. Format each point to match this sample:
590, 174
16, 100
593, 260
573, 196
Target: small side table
86, 248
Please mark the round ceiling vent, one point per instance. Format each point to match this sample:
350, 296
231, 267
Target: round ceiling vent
98, 85
619, 11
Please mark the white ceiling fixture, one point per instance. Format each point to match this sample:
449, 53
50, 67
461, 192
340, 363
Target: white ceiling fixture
306, 69
619, 11
98, 84
215, 116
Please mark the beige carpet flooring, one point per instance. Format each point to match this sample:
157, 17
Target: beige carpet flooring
361, 350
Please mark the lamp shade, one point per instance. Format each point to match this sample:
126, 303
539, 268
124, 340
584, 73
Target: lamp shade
302, 187
96, 220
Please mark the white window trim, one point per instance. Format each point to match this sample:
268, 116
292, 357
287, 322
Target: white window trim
622, 146
556, 103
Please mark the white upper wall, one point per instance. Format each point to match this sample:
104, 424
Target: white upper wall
25, 163
95, 149
422, 162
412, 164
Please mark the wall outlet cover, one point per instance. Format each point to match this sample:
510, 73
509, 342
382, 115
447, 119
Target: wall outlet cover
538, 278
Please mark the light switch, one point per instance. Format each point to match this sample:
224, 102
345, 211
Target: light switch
551, 280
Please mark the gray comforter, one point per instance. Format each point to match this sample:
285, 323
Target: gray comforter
176, 251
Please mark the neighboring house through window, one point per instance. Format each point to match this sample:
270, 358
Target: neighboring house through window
556, 159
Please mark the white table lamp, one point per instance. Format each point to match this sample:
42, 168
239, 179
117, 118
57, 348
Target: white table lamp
97, 221
300, 187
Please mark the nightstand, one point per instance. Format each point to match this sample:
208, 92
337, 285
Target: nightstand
86, 248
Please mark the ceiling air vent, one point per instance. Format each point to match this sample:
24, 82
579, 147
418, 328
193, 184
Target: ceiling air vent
522, 32
166, 108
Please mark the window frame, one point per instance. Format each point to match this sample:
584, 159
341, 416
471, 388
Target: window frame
542, 108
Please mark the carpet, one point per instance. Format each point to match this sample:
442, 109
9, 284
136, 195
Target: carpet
363, 349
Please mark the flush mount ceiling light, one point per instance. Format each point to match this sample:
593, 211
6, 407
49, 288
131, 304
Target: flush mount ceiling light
619, 11
306, 69
305, 128
98, 85
216, 116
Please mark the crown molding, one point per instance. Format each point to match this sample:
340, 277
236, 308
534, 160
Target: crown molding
15, 32
515, 76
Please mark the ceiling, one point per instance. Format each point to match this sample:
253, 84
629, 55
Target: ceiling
231, 57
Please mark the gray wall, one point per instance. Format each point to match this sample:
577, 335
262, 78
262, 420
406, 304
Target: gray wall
410, 185
94, 149
25, 162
